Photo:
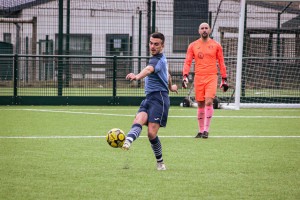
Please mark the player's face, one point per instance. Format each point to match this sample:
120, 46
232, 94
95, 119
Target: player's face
156, 46
204, 30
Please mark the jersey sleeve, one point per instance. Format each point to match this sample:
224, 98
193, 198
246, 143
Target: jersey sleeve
221, 62
188, 60
153, 63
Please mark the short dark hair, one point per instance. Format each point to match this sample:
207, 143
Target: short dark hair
158, 35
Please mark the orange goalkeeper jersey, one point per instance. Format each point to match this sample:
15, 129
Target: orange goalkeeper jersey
206, 55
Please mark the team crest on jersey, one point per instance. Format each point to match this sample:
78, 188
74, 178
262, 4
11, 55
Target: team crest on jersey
200, 55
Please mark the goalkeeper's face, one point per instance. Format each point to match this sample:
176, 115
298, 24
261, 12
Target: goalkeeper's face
204, 30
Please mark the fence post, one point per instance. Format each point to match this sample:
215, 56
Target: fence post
245, 54
16, 75
148, 26
114, 78
67, 66
27, 62
140, 46
153, 15
60, 48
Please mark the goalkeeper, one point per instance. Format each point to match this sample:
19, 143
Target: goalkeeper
206, 52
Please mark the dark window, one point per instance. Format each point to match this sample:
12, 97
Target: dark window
7, 37
188, 15
117, 45
80, 44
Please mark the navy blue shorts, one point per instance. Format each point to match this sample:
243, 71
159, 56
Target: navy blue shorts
156, 105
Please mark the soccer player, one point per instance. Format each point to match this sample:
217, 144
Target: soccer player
207, 53
153, 111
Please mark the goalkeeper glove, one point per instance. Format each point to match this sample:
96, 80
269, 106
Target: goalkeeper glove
185, 81
224, 84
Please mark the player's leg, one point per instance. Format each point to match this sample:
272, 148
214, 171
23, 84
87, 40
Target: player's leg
156, 145
209, 111
199, 96
140, 119
200, 118
210, 93
136, 129
157, 117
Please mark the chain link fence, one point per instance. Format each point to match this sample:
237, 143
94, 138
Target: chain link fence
86, 48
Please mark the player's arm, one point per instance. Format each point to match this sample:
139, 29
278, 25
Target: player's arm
145, 72
222, 67
187, 65
172, 88
221, 62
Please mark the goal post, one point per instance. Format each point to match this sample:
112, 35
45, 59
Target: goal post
240, 55
268, 57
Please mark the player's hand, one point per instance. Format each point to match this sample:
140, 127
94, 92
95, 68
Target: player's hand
224, 84
185, 81
174, 88
131, 76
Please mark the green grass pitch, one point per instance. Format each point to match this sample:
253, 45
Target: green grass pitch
60, 152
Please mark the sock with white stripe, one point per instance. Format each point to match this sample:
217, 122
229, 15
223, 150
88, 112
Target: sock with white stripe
157, 149
134, 132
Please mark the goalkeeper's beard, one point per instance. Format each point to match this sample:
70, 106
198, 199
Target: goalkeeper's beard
204, 35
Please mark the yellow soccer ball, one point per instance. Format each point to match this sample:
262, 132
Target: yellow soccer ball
115, 138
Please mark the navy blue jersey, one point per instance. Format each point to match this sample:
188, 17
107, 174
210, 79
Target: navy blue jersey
158, 80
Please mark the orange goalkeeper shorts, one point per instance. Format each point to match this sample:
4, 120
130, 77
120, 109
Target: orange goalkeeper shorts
205, 86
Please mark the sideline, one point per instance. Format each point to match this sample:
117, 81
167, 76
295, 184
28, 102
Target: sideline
170, 116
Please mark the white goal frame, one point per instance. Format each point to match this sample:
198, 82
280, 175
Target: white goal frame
237, 105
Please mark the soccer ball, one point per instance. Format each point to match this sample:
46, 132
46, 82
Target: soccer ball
115, 138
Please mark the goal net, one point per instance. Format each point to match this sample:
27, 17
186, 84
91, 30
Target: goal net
266, 45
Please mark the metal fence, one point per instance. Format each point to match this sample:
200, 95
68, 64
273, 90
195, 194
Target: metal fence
104, 81
58, 50
73, 76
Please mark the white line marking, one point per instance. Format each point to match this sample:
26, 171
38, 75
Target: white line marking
171, 108
125, 115
72, 112
274, 117
161, 136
